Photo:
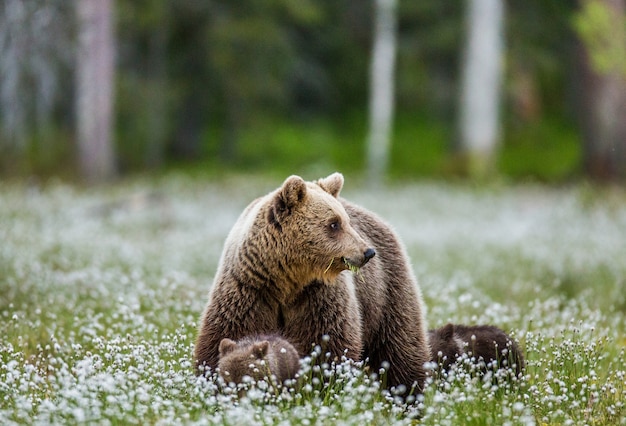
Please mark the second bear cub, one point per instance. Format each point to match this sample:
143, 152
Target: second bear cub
268, 357
486, 342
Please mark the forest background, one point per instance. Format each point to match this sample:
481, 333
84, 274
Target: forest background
94, 89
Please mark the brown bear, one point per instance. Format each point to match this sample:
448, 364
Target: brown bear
485, 342
259, 357
444, 346
285, 269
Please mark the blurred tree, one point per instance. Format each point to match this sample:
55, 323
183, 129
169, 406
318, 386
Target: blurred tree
230, 65
250, 55
143, 91
601, 25
94, 89
190, 77
254, 57
540, 48
36, 49
481, 86
430, 42
382, 92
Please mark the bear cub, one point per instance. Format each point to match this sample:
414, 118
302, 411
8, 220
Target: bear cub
259, 357
483, 342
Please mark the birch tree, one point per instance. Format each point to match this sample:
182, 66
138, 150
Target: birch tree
382, 96
94, 89
481, 85
35, 51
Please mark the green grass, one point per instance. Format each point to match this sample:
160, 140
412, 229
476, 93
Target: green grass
101, 290
420, 147
547, 150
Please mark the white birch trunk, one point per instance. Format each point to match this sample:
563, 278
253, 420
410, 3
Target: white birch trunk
481, 84
382, 96
94, 91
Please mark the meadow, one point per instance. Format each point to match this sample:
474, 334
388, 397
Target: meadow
101, 290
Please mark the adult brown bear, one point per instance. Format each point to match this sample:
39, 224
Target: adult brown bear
287, 268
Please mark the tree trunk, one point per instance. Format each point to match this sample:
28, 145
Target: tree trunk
481, 86
382, 74
157, 95
603, 109
94, 91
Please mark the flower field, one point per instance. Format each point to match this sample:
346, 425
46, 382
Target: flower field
101, 290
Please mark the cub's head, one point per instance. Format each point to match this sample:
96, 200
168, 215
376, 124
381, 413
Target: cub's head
444, 345
238, 361
314, 231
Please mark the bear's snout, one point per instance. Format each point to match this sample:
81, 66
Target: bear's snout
351, 263
369, 253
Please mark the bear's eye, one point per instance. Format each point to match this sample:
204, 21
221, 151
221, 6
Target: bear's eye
335, 226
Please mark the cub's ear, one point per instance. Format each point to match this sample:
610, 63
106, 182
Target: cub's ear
260, 349
227, 346
332, 184
447, 332
288, 196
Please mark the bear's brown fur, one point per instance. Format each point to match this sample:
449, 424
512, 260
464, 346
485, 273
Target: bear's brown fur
486, 342
444, 348
284, 270
259, 357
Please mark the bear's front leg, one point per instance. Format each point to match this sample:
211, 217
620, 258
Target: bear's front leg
326, 310
402, 344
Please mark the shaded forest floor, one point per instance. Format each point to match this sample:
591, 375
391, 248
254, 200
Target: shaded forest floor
101, 290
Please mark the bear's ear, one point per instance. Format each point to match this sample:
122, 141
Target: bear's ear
260, 349
289, 195
447, 332
227, 346
332, 184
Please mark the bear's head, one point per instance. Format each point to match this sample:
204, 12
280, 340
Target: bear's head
240, 361
313, 230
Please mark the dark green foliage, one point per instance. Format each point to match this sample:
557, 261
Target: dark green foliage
549, 150
283, 85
